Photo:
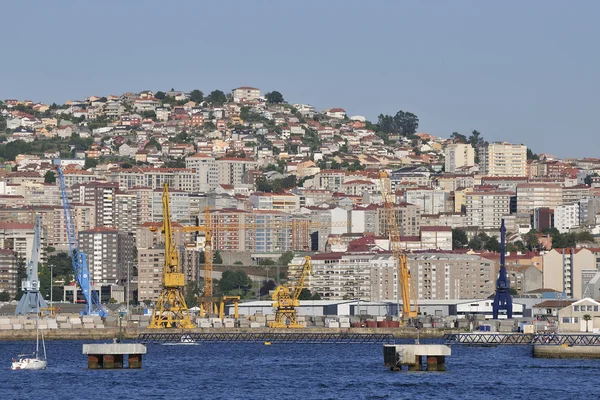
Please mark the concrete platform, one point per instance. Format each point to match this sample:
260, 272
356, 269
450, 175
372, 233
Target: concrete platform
565, 351
398, 356
111, 355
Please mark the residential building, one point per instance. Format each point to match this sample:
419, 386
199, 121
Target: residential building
235, 171
284, 202
207, 171
503, 159
108, 254
102, 196
245, 93
177, 178
408, 218
430, 201
566, 217
457, 155
150, 265
485, 210
17, 237
534, 195
8, 273
563, 269
572, 317
126, 212
179, 203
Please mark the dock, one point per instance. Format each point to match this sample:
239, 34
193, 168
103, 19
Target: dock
112, 355
542, 339
414, 357
261, 337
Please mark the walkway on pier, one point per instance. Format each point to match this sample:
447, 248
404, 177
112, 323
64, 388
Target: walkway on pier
493, 339
261, 337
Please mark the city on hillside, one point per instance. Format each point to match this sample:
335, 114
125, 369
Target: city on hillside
277, 181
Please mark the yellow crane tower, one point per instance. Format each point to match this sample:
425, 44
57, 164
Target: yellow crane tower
170, 310
285, 302
405, 283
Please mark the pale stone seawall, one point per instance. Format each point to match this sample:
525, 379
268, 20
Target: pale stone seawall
133, 333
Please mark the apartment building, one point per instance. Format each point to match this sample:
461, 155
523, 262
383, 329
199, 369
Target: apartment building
178, 178
206, 169
566, 217
102, 196
535, 195
245, 93
179, 203
17, 237
363, 218
8, 273
108, 251
458, 155
564, 268
284, 202
408, 218
126, 212
325, 220
150, 271
430, 201
503, 159
236, 171
485, 210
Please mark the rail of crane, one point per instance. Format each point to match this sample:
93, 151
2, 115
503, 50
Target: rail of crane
493, 339
262, 337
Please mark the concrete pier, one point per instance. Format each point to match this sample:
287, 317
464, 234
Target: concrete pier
565, 351
411, 356
112, 355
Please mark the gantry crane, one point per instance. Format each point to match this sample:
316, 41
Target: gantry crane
32, 300
170, 310
78, 258
285, 302
405, 284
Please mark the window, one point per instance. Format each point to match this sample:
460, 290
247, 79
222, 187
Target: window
596, 308
565, 320
575, 320
589, 308
575, 308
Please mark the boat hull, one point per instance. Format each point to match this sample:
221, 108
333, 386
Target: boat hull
28, 363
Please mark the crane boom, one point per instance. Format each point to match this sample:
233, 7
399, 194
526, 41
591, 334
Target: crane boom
31, 301
404, 279
78, 258
170, 310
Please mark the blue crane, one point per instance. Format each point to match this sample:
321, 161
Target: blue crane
78, 258
32, 301
502, 299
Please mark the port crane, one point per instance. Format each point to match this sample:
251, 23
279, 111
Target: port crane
78, 258
502, 299
286, 299
32, 300
170, 310
405, 284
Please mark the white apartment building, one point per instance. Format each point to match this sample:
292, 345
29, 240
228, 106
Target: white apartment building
206, 170
486, 209
458, 155
180, 206
537, 195
503, 159
430, 201
566, 217
245, 93
563, 270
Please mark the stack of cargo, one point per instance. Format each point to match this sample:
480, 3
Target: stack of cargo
505, 326
228, 323
243, 323
203, 323
344, 322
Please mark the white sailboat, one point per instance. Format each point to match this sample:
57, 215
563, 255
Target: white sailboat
32, 361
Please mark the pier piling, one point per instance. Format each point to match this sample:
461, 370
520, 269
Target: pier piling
112, 355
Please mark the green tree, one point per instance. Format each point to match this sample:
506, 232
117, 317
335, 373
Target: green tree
160, 95
458, 137
531, 240
148, 114
475, 139
217, 257
196, 96
49, 177
266, 287
531, 155
192, 291
4, 296
209, 127
459, 239
274, 97
21, 275
492, 244
476, 243
306, 294
216, 97
286, 258
513, 292
231, 280
90, 163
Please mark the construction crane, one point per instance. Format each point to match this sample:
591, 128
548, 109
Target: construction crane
285, 300
502, 299
405, 283
32, 301
79, 258
170, 310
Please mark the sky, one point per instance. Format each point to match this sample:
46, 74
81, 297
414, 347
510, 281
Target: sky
517, 71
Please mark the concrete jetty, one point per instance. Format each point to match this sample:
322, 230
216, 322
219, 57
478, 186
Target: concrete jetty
111, 355
565, 351
411, 356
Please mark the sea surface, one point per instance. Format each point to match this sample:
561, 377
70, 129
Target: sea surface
297, 371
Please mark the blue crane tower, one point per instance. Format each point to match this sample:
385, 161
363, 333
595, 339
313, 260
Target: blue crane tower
32, 300
502, 299
78, 258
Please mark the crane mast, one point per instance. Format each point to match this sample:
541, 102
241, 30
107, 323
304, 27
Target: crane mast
78, 258
31, 301
405, 284
285, 302
171, 309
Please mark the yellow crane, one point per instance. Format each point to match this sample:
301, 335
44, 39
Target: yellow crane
405, 283
170, 310
286, 302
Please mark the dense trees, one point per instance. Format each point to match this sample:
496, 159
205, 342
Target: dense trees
196, 96
306, 294
49, 177
231, 280
276, 185
274, 97
405, 123
10, 150
459, 239
216, 97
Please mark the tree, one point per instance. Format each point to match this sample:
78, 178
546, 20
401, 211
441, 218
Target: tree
160, 95
209, 127
587, 318
585, 237
458, 138
21, 275
588, 179
274, 97
49, 177
216, 97
306, 294
286, 258
476, 243
90, 163
217, 257
196, 96
407, 122
4, 296
475, 139
459, 239
513, 292
531, 239
492, 244
231, 280
192, 291
531, 155
148, 114
266, 287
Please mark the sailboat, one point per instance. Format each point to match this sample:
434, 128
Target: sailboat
32, 361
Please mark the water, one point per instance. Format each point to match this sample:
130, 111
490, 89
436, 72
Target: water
255, 371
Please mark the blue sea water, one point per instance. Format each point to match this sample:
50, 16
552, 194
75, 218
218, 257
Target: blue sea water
302, 371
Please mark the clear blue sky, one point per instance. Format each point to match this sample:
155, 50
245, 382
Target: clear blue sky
521, 71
